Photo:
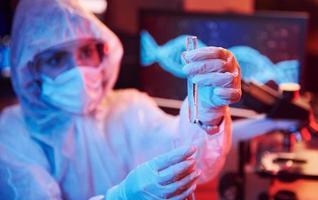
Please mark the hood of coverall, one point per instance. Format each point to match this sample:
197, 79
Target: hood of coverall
39, 25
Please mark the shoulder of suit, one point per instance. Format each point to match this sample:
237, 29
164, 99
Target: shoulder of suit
11, 115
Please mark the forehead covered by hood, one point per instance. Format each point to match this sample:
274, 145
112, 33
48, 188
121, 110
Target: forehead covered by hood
41, 24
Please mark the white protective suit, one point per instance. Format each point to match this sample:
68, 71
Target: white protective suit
46, 153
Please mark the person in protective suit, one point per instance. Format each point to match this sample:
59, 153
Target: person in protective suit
73, 137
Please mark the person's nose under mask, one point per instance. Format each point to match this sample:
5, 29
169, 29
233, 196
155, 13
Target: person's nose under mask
78, 90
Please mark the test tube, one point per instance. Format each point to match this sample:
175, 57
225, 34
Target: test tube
192, 43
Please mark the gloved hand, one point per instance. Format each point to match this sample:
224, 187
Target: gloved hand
169, 176
217, 74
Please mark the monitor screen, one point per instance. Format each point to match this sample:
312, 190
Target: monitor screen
268, 46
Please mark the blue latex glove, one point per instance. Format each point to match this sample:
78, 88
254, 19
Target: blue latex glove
169, 176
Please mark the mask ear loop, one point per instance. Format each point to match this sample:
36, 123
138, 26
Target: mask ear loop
34, 72
103, 50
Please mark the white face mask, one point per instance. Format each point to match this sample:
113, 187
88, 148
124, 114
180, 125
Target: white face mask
77, 90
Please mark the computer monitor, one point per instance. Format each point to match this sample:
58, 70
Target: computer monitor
269, 46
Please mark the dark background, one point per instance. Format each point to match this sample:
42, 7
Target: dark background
279, 36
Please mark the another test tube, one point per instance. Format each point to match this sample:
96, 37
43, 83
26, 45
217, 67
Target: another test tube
192, 43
